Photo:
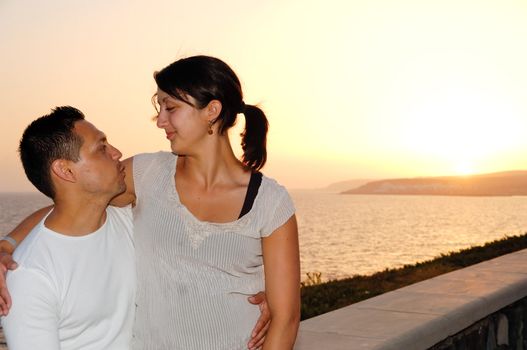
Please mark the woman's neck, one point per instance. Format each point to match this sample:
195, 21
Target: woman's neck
214, 165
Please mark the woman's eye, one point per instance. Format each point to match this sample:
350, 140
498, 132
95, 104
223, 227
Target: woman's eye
169, 109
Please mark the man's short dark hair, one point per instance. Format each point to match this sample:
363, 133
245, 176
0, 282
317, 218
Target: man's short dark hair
47, 139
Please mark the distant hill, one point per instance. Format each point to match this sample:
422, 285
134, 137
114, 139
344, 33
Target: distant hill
345, 185
509, 183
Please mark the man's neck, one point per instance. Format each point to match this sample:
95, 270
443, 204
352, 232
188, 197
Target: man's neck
78, 217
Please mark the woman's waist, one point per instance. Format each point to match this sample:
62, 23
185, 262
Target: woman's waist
196, 282
197, 321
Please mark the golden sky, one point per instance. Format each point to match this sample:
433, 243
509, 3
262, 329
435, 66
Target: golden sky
353, 89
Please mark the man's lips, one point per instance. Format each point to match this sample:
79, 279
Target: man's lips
170, 134
121, 169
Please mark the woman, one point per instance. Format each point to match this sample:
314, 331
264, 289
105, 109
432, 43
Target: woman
207, 223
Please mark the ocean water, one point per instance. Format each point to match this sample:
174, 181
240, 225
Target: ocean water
344, 235
16, 206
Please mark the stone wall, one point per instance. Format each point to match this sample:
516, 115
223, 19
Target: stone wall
505, 329
481, 307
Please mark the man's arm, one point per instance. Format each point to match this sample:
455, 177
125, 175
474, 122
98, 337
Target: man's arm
33, 320
262, 325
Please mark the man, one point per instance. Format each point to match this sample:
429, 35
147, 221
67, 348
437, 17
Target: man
74, 287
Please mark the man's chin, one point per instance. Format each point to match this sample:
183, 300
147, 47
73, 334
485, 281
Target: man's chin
120, 190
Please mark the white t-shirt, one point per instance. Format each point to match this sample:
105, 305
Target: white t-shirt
74, 292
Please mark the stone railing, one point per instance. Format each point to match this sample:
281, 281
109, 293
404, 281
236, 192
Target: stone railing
504, 329
481, 304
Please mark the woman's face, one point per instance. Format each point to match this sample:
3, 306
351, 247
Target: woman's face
185, 126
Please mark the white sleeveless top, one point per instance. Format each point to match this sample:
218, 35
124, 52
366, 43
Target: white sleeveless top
194, 277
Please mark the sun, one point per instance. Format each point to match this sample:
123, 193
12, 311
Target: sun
459, 124
464, 169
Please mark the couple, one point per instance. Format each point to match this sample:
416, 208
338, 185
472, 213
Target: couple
204, 226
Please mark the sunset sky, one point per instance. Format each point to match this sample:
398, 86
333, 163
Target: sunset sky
353, 89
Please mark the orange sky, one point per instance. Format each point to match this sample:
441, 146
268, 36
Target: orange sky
353, 89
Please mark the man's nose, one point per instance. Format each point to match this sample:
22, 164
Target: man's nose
116, 154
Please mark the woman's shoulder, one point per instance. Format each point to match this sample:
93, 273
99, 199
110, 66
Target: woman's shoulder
271, 182
275, 205
271, 187
146, 165
154, 156
147, 160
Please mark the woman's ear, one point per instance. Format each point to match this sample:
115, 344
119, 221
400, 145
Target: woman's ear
61, 168
213, 110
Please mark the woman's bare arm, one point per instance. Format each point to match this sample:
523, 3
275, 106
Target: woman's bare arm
282, 285
22, 230
128, 196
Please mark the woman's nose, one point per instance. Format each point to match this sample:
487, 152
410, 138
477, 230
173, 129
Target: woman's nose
161, 120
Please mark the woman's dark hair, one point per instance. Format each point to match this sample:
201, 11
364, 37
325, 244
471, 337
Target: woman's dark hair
46, 139
207, 78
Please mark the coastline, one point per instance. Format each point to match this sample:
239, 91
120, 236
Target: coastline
321, 297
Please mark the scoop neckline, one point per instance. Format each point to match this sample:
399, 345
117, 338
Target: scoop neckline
175, 195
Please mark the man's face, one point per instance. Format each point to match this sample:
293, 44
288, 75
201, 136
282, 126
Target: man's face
98, 170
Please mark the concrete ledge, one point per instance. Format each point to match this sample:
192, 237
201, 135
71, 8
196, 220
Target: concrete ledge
421, 315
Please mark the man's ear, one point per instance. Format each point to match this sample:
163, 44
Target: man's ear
213, 110
63, 170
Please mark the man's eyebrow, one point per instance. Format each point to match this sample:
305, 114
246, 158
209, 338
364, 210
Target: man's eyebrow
101, 138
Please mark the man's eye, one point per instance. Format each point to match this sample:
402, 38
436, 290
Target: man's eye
169, 109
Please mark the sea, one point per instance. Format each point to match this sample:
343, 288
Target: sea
345, 235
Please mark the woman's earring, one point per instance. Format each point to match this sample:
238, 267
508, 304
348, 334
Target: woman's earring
210, 127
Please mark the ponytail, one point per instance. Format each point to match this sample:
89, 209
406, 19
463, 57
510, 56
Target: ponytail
254, 138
